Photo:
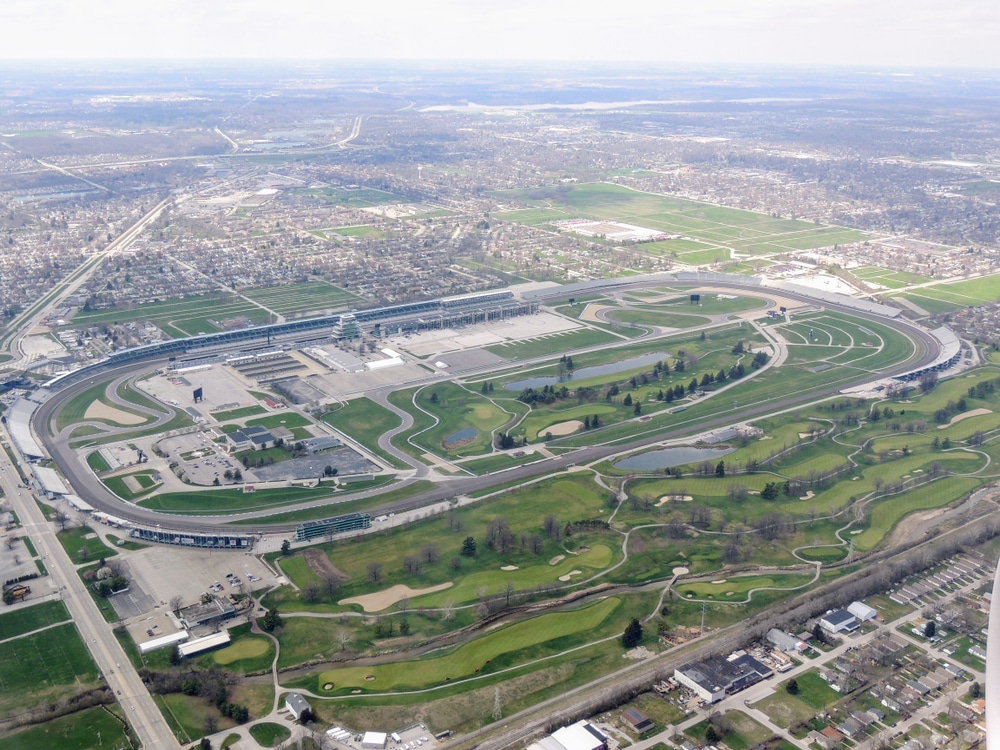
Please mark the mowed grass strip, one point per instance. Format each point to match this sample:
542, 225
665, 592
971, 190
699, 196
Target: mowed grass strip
470, 658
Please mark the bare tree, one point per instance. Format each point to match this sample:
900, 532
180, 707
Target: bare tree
343, 638
374, 571
175, 604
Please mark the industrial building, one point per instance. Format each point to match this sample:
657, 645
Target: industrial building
838, 621
714, 678
580, 736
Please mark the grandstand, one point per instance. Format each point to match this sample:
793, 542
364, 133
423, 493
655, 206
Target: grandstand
380, 321
186, 539
336, 525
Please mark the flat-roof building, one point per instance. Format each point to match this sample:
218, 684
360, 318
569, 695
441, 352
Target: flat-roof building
715, 677
838, 621
862, 611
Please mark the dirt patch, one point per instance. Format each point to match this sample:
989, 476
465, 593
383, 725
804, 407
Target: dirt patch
591, 312
563, 428
557, 559
911, 523
132, 484
320, 564
676, 498
101, 410
569, 575
383, 599
964, 415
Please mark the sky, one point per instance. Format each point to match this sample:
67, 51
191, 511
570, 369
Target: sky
897, 33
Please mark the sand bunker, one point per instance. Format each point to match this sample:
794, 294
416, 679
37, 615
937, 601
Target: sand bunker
557, 559
963, 415
721, 580
570, 575
383, 599
509, 567
680, 571
808, 496
101, 410
563, 428
676, 498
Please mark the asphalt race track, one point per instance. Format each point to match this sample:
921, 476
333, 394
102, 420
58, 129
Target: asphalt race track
94, 492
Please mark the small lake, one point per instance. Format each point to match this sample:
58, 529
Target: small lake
587, 372
667, 458
457, 437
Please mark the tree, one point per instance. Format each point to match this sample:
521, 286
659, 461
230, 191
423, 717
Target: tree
627, 401
930, 628
637, 409
818, 633
712, 735
62, 518
468, 547
975, 690
374, 571
633, 634
175, 604
271, 621
720, 469
792, 687
285, 546
237, 475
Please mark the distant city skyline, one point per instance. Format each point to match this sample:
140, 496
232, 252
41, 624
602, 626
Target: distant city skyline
896, 33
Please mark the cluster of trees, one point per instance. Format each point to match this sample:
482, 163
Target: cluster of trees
941, 416
211, 685
487, 387
505, 441
984, 389
547, 394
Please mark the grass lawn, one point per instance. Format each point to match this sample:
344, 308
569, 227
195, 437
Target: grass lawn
498, 462
247, 653
232, 500
466, 420
90, 729
365, 421
83, 544
186, 715
25, 620
241, 413
282, 418
814, 696
269, 734
563, 341
97, 462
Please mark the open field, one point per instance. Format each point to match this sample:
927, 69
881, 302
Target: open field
25, 620
948, 296
51, 664
888, 279
743, 231
185, 316
453, 421
562, 341
303, 298
90, 729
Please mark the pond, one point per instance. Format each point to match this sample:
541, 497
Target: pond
456, 438
587, 372
666, 458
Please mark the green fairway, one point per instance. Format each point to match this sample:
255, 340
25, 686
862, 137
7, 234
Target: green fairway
247, 653
465, 423
473, 657
737, 588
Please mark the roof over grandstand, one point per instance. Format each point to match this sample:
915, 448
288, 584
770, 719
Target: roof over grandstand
19, 426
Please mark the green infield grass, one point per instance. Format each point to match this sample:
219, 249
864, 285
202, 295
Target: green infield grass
365, 421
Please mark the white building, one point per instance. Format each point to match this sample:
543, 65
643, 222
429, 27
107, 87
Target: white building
862, 611
374, 740
297, 705
838, 621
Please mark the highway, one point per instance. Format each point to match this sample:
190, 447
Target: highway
115, 667
88, 487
